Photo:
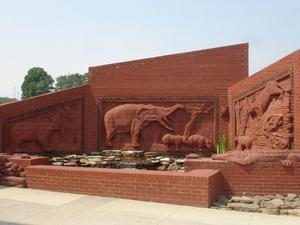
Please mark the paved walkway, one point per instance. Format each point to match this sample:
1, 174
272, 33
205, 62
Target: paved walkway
32, 207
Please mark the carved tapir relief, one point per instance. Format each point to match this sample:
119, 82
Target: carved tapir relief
263, 119
55, 129
159, 126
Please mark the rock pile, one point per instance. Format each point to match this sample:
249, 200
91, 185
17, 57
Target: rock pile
10, 168
11, 174
270, 204
121, 159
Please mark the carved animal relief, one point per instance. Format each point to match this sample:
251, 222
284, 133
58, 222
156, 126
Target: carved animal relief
263, 119
56, 129
161, 127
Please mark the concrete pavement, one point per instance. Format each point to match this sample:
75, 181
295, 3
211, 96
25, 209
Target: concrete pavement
35, 207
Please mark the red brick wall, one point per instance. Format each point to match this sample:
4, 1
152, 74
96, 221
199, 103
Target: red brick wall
201, 73
196, 188
11, 110
290, 61
260, 178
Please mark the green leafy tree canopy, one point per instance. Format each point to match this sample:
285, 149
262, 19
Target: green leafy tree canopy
36, 82
70, 80
6, 100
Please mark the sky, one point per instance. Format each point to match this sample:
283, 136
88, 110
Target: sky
68, 36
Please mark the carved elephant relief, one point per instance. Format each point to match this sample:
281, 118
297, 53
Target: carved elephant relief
133, 118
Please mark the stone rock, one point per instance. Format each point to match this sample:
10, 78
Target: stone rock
94, 153
112, 152
216, 205
248, 194
222, 200
25, 156
133, 153
162, 168
180, 161
57, 163
295, 212
13, 181
71, 156
284, 212
103, 163
151, 154
296, 204
23, 174
273, 204
288, 205
172, 167
57, 159
262, 203
243, 207
84, 165
243, 199
193, 156
155, 161
272, 211
83, 161
269, 197
70, 164
278, 196
91, 163
257, 199
110, 158
291, 197
165, 160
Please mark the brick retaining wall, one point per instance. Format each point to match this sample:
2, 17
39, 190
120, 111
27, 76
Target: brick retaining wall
259, 178
196, 188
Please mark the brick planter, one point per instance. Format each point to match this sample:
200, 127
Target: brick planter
196, 188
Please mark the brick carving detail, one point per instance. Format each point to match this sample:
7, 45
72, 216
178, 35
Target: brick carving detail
55, 128
262, 117
176, 117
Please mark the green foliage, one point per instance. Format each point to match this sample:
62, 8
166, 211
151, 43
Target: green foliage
6, 100
36, 82
221, 144
70, 80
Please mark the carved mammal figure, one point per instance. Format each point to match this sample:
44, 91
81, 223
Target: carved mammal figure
263, 100
286, 157
133, 118
38, 132
243, 142
200, 141
177, 140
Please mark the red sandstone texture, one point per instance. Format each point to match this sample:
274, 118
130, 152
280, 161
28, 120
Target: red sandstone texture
196, 188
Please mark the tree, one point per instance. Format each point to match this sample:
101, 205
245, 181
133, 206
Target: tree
4, 100
70, 80
36, 82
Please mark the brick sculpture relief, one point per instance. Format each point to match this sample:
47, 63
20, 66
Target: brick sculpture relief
264, 119
264, 125
160, 127
286, 157
55, 129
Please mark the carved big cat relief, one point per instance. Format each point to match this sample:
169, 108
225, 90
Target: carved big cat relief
159, 126
263, 118
53, 129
